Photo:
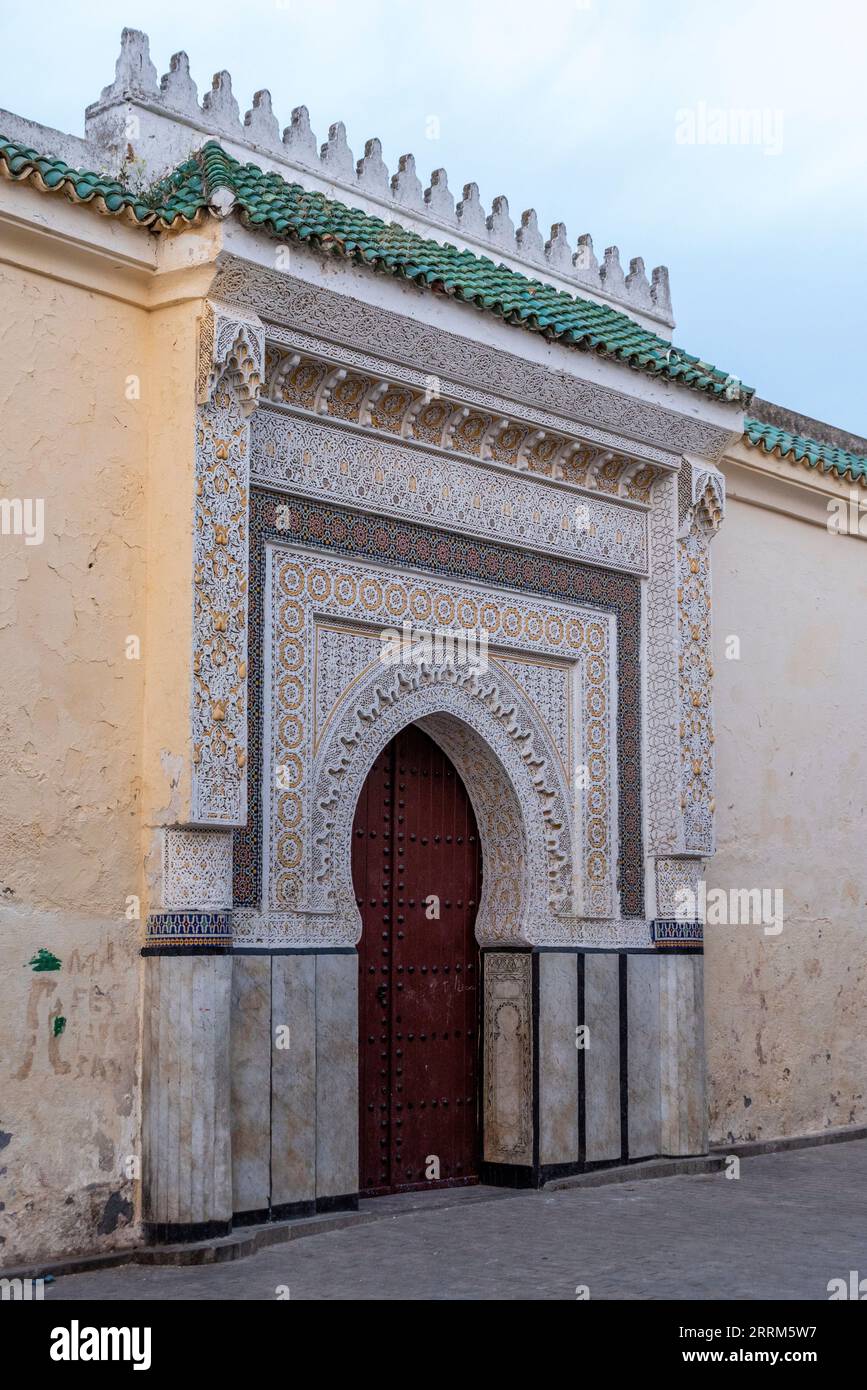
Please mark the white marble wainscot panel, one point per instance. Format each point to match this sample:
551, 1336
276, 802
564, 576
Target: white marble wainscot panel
312, 459
250, 1063
336, 1075
340, 318
682, 1067
558, 1057
186, 1099
293, 1079
555, 695
197, 870
602, 1057
643, 1060
508, 1058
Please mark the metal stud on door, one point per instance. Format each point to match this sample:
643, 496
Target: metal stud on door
372, 835
416, 865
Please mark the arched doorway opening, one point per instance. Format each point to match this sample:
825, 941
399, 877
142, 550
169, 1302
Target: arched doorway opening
416, 870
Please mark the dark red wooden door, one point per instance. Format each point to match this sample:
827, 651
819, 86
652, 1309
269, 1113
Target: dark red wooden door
416, 854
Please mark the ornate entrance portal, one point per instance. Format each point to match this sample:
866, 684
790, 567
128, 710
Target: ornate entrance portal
416, 868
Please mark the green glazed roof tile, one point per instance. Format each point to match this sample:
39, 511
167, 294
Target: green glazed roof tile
813, 453
290, 212
176, 201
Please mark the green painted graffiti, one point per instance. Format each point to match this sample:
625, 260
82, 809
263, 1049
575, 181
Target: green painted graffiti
59, 1025
44, 960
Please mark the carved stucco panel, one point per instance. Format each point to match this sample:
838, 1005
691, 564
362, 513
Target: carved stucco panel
313, 459
675, 877
333, 705
406, 379
508, 1057
661, 676
341, 318
231, 351
695, 659
196, 870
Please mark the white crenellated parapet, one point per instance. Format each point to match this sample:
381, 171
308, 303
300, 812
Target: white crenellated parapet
406, 186
162, 122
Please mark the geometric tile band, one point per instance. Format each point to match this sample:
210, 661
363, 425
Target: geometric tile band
308, 590
189, 929
411, 546
314, 459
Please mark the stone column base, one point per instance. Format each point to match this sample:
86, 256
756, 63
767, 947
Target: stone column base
186, 1121
591, 1059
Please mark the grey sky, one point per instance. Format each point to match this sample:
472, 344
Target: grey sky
583, 109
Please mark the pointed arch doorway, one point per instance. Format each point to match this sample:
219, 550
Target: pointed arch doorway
416, 870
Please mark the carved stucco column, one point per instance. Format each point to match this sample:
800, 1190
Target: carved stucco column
187, 1168
683, 838
680, 745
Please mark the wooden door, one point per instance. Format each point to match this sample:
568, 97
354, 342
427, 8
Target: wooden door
416, 866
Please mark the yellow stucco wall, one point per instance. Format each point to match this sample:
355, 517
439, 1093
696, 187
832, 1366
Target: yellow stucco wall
170, 511
786, 1037
70, 765
94, 744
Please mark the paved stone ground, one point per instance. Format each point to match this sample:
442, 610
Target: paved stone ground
791, 1222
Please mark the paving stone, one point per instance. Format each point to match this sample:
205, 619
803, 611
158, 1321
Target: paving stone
791, 1222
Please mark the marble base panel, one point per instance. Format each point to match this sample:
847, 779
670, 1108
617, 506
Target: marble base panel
610, 1070
186, 1145
294, 1078
590, 1058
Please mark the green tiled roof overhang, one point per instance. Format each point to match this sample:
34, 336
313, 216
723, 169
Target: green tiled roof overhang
287, 211
811, 452
177, 201
290, 212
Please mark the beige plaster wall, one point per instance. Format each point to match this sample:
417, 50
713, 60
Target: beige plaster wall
166, 768
70, 777
787, 1014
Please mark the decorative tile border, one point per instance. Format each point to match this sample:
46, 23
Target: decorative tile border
189, 929
314, 459
671, 934
414, 547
